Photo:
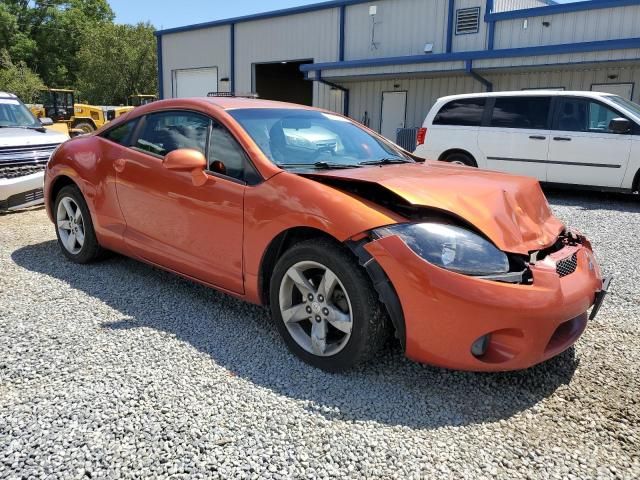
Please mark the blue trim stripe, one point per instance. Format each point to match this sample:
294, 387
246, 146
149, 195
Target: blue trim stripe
583, 47
261, 16
160, 72
341, 40
450, 13
232, 58
491, 25
559, 8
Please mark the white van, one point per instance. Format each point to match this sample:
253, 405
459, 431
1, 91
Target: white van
578, 138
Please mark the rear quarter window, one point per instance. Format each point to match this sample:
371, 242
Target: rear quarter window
465, 112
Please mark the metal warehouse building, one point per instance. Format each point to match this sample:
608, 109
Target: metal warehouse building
385, 62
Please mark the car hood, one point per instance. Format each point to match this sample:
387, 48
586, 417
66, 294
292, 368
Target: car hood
510, 210
21, 137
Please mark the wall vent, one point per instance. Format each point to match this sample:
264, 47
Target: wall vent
467, 20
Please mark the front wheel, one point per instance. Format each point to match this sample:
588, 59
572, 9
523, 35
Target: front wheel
74, 228
459, 158
324, 306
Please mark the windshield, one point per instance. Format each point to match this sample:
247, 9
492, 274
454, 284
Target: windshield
632, 107
307, 138
13, 113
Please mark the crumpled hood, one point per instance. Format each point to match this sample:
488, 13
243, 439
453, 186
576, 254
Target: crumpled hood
510, 210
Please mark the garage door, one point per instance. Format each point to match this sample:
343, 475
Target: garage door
195, 82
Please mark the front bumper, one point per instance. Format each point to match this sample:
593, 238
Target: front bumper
21, 192
445, 312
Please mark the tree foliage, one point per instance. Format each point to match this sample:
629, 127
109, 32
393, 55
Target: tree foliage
56, 38
18, 78
120, 61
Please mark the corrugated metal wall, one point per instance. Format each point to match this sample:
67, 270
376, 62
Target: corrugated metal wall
421, 94
304, 36
471, 41
198, 48
601, 24
402, 27
508, 5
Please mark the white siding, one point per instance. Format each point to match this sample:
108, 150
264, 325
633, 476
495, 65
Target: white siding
602, 56
421, 95
303, 36
584, 26
508, 5
570, 79
195, 49
402, 28
472, 41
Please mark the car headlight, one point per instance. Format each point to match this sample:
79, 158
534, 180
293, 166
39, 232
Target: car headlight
450, 247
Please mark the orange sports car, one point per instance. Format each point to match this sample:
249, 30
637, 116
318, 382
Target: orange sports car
344, 235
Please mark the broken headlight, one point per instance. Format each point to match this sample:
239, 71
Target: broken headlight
450, 247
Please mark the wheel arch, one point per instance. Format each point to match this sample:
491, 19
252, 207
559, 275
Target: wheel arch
379, 279
635, 186
450, 151
58, 184
78, 120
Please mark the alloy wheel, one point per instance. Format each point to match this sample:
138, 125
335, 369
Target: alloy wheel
70, 225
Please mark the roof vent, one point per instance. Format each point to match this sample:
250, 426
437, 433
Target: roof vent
467, 20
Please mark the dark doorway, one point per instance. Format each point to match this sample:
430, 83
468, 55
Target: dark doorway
283, 81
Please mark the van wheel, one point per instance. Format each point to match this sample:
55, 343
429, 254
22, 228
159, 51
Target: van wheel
460, 158
325, 307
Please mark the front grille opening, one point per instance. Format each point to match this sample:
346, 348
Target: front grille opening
567, 266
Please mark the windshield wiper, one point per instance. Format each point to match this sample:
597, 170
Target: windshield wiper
318, 165
25, 127
385, 161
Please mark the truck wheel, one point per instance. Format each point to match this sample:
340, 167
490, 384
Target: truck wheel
86, 127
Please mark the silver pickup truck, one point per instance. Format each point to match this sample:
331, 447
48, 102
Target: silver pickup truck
25, 148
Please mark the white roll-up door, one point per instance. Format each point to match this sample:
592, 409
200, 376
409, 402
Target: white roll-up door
195, 82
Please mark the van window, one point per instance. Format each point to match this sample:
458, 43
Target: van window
521, 112
466, 112
582, 115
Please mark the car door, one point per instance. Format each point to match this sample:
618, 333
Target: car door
516, 139
583, 150
193, 230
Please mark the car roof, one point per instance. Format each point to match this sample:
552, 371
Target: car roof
229, 103
7, 95
530, 93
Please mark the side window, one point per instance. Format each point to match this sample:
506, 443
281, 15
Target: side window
582, 115
164, 132
465, 112
225, 149
121, 134
521, 112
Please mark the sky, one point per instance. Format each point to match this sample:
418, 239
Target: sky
172, 13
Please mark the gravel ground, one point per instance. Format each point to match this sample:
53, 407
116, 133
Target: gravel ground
118, 370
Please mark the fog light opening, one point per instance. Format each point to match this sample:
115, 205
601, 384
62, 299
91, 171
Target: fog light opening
479, 347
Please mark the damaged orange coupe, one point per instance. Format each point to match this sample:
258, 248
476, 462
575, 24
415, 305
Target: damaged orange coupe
345, 236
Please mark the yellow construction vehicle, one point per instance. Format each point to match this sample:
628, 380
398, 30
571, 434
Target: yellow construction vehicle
59, 105
141, 99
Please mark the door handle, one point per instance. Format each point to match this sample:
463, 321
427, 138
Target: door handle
118, 165
537, 137
562, 139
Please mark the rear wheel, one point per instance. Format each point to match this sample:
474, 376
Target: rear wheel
325, 308
74, 227
460, 158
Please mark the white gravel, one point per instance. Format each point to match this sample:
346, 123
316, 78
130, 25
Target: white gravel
118, 370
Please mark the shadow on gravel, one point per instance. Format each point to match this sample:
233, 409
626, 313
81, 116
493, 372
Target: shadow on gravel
593, 200
240, 337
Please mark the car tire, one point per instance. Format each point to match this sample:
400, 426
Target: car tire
351, 318
460, 158
74, 227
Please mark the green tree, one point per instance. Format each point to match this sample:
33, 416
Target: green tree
47, 34
119, 61
18, 78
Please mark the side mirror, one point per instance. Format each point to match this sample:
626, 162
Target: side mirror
187, 159
619, 125
46, 121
